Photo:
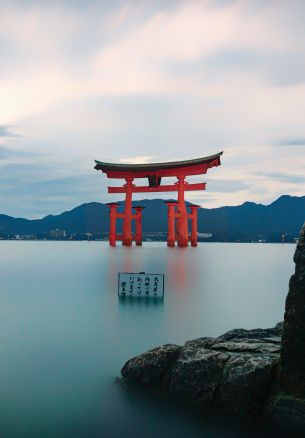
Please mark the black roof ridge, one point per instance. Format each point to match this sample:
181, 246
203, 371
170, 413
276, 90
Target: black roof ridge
100, 165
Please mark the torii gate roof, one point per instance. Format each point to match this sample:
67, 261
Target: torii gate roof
186, 167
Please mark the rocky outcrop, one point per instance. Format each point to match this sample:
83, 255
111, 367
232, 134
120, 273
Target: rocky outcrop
288, 405
243, 372
217, 373
293, 341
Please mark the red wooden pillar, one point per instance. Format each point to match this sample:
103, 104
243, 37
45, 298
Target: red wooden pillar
171, 215
138, 234
127, 234
194, 231
113, 216
182, 226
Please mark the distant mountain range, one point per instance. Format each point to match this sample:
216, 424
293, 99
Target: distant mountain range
246, 222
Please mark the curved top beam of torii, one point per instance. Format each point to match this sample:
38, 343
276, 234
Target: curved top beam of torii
195, 166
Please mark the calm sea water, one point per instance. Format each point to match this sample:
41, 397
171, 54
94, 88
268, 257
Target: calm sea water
64, 334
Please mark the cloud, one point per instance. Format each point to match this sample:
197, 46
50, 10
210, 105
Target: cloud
40, 193
289, 178
292, 142
135, 160
149, 81
227, 185
5, 131
7, 154
117, 59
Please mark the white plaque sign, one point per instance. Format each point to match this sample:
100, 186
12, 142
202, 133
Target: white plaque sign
141, 285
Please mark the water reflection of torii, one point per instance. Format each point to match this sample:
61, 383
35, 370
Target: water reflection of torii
178, 215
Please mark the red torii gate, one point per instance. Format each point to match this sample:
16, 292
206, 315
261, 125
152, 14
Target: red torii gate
178, 215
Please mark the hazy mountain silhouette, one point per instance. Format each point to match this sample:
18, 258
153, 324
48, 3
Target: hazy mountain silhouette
245, 222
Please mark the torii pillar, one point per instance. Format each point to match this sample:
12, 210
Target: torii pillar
138, 233
113, 206
193, 216
127, 232
182, 226
171, 216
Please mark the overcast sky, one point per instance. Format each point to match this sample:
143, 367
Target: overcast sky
150, 81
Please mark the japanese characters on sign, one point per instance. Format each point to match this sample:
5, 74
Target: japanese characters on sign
141, 285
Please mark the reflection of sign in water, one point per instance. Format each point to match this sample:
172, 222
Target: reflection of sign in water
141, 285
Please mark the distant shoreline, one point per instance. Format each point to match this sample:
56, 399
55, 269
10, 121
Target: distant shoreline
144, 241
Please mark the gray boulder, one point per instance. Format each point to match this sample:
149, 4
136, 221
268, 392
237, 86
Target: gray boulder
151, 369
213, 372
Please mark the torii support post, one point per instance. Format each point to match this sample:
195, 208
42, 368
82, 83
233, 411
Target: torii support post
113, 206
182, 225
127, 234
138, 232
193, 217
171, 215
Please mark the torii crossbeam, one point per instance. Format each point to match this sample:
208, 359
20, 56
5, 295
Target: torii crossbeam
177, 211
